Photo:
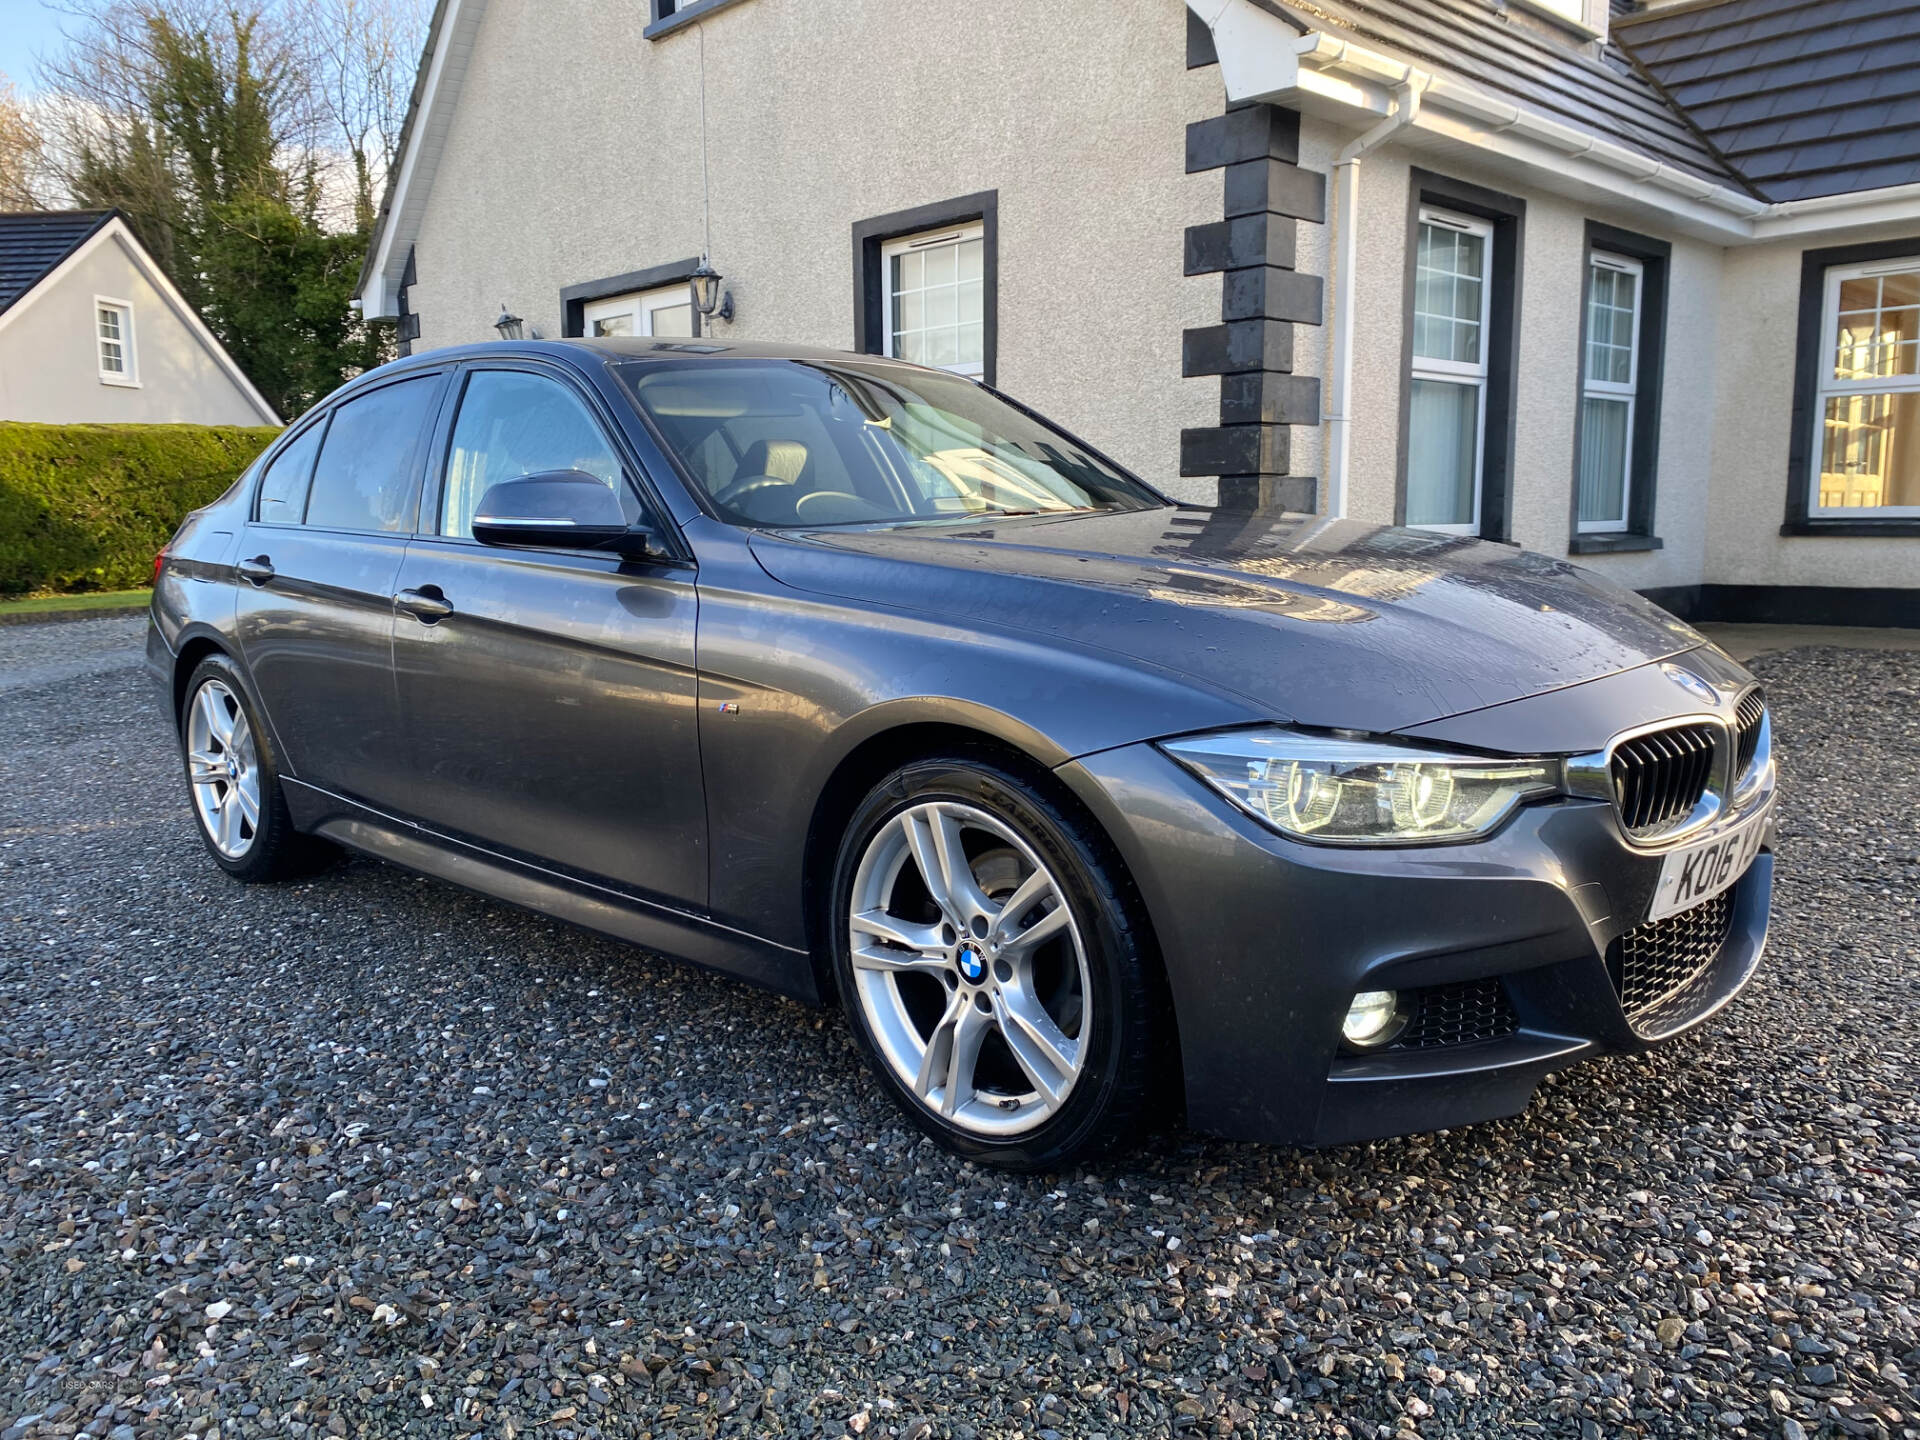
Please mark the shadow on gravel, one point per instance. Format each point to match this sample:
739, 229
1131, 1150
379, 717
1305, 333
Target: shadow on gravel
367, 1153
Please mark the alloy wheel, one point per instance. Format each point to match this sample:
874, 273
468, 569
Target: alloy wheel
223, 767
969, 968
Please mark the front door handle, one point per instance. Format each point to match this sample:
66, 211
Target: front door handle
257, 571
427, 604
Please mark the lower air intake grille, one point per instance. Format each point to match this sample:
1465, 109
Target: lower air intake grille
1654, 962
1658, 778
1458, 1015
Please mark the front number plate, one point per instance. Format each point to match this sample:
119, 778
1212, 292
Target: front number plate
1701, 871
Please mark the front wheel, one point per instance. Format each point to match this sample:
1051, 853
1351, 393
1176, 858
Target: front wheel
993, 964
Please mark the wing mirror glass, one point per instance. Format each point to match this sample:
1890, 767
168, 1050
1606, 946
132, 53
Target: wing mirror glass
559, 509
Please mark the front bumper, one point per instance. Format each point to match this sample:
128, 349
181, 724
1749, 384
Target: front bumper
1513, 941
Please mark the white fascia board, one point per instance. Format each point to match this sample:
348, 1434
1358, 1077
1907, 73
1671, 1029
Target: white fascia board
426, 141
1264, 59
117, 231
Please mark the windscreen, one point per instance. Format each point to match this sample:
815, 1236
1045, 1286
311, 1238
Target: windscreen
807, 443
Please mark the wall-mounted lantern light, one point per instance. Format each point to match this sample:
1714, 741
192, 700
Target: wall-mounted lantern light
708, 298
510, 326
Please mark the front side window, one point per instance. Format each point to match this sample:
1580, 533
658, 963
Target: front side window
113, 333
1610, 377
934, 296
1867, 454
1447, 413
511, 424
780, 443
364, 479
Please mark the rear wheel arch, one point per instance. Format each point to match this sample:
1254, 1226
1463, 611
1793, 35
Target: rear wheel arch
186, 662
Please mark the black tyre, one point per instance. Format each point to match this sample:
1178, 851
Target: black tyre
233, 781
995, 966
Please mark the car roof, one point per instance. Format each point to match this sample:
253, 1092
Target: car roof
642, 347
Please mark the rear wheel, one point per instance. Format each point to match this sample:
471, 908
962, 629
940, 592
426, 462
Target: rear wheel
233, 781
992, 966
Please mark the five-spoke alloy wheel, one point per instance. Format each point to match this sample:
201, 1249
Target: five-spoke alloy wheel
990, 962
223, 767
234, 780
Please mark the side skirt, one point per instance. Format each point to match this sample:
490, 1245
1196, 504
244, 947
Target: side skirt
610, 912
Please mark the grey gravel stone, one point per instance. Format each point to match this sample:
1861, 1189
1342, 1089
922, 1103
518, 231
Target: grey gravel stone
360, 1111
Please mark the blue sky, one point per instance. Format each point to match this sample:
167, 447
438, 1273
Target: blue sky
27, 28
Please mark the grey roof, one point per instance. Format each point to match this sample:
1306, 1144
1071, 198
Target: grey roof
1605, 95
33, 242
1801, 97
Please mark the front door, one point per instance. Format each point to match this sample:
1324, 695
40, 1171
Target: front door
317, 569
549, 695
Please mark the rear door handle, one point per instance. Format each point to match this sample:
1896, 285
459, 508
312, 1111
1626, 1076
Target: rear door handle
427, 604
257, 571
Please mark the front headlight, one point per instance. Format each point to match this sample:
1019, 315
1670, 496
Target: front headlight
1362, 792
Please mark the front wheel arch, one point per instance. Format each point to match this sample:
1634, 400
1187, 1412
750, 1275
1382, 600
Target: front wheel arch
877, 757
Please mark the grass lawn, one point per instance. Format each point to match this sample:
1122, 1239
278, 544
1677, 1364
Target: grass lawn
37, 605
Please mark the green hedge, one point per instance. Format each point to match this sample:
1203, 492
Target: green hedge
84, 507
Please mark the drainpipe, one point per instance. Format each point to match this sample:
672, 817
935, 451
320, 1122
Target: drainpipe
1346, 211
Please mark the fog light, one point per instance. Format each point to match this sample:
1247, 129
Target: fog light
1375, 1019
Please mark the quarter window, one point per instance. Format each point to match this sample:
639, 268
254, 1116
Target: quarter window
511, 424
1867, 459
1611, 377
934, 298
113, 334
1448, 405
283, 489
364, 480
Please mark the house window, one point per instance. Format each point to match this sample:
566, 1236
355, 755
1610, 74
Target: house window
1446, 426
934, 299
1866, 452
926, 284
666, 312
1612, 373
113, 335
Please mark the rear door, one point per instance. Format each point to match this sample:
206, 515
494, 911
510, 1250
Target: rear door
318, 565
549, 695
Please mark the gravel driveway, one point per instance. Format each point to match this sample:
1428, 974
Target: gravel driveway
369, 1154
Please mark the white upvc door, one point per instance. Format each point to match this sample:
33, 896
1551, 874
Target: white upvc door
666, 312
1447, 412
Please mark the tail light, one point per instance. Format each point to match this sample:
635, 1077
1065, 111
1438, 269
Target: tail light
159, 560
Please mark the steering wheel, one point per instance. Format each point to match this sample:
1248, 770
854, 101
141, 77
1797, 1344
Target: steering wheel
738, 490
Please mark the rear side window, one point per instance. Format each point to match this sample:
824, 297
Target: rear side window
364, 480
283, 491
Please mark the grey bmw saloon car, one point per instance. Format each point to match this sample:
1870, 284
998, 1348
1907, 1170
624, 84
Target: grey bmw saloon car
864, 682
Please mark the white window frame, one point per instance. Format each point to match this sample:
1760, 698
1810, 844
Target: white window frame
1827, 387
926, 240
1455, 371
129, 373
640, 305
1590, 388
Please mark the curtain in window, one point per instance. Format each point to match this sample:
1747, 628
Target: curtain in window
1603, 460
1443, 434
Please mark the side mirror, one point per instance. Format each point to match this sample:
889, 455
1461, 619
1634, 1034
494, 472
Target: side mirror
559, 509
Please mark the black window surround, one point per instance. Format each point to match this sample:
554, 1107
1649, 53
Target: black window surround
667, 16
1814, 265
1655, 257
1507, 214
575, 298
869, 236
